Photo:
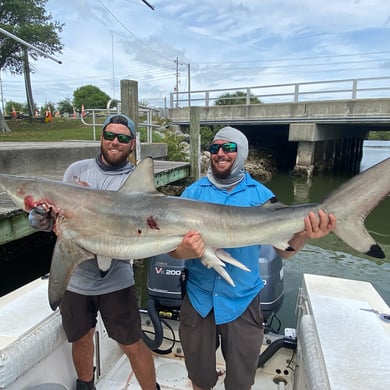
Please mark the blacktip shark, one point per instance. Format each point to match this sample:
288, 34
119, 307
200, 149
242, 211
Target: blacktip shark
137, 221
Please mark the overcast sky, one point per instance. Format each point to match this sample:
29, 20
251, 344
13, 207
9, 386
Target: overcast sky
228, 44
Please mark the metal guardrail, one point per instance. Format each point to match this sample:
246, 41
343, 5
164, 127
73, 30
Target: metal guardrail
95, 113
369, 87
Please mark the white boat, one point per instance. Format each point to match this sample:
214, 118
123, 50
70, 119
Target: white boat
343, 339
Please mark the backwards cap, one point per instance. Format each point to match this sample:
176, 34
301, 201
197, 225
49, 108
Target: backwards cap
122, 120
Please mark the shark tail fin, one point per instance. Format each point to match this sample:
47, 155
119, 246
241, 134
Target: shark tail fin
353, 201
357, 237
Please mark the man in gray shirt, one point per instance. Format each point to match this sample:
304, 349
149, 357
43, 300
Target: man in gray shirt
110, 291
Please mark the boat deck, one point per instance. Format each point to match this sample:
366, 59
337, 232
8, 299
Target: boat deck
30, 332
172, 374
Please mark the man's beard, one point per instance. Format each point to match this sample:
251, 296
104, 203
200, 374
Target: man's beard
119, 160
218, 174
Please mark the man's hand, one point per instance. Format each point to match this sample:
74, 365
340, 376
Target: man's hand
191, 247
319, 227
40, 219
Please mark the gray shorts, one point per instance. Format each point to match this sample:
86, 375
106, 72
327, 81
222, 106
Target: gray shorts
119, 312
240, 341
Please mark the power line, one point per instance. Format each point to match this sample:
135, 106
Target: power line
133, 35
284, 59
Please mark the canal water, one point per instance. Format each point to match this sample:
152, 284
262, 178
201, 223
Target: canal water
328, 256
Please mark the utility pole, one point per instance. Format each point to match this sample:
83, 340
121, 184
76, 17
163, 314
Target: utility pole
188, 81
177, 82
189, 84
2, 94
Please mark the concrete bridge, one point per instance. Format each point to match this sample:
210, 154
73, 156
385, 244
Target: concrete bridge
321, 134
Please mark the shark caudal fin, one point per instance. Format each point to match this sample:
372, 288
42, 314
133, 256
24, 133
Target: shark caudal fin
353, 201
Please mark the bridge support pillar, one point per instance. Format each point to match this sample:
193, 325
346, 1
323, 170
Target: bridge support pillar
305, 157
306, 134
325, 148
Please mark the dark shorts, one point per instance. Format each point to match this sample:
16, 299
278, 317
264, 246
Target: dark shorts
240, 341
119, 312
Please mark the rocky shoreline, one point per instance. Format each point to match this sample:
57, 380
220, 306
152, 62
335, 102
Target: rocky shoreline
261, 164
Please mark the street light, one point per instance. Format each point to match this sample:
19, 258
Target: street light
5, 32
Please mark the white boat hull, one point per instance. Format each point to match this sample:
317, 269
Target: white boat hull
339, 345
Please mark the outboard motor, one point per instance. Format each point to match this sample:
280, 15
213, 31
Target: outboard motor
271, 270
164, 284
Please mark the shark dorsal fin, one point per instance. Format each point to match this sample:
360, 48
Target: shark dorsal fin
141, 179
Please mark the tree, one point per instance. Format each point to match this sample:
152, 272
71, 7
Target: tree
65, 106
238, 97
48, 106
27, 19
19, 107
90, 96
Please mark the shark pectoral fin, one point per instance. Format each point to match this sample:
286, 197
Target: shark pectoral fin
66, 257
224, 256
357, 237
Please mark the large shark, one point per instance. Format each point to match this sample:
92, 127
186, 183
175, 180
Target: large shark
137, 221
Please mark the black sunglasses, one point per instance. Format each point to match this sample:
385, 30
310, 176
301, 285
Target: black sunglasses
228, 147
122, 138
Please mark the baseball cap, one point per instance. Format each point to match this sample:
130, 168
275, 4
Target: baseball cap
121, 119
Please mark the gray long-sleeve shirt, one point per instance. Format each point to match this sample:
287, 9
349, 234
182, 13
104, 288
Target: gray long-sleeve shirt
87, 278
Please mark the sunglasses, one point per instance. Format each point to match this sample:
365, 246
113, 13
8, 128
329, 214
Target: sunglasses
122, 138
228, 147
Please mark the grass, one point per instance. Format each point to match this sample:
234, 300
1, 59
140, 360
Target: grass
59, 129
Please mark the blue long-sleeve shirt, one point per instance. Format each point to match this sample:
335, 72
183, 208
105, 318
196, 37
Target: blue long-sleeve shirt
206, 289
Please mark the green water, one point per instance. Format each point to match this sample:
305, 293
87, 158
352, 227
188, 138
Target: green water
330, 256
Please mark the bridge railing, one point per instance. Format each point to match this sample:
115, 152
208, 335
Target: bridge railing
361, 88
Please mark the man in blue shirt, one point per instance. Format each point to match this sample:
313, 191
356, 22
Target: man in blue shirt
213, 311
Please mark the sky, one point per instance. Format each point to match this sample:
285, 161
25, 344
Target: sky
218, 43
